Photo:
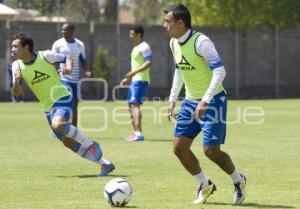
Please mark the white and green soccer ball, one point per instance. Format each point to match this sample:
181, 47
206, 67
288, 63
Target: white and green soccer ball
117, 192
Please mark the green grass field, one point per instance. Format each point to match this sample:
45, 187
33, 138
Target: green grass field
37, 172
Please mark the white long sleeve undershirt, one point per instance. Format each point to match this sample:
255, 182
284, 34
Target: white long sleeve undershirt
217, 79
176, 86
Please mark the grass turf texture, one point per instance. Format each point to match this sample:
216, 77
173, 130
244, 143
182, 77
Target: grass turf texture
37, 172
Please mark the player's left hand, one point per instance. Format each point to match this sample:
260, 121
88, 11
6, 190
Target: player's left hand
88, 74
200, 109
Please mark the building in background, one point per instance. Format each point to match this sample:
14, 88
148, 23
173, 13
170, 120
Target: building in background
7, 12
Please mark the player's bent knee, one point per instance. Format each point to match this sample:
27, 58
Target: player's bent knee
58, 127
179, 151
176, 151
181, 146
210, 152
68, 143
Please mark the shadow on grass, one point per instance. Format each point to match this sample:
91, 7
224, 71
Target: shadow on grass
254, 205
147, 139
130, 206
92, 176
160, 140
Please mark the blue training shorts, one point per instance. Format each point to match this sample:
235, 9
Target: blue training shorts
73, 88
137, 90
212, 122
62, 107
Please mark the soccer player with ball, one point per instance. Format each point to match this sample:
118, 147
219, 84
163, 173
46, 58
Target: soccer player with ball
38, 70
200, 69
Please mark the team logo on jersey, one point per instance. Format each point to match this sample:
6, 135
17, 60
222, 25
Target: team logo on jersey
185, 65
39, 77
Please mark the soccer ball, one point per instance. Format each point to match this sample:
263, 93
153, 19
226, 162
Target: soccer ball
117, 192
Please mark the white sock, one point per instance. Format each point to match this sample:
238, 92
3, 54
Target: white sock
138, 133
85, 153
202, 178
82, 151
103, 161
74, 133
236, 177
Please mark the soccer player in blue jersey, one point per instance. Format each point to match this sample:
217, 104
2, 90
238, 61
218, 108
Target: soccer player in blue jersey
38, 70
200, 69
139, 78
73, 47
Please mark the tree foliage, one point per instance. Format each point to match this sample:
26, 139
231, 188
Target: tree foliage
110, 11
44, 7
73, 10
104, 62
238, 14
81, 11
242, 14
147, 11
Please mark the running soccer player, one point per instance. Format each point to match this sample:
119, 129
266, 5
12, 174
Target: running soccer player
200, 69
141, 59
73, 47
38, 70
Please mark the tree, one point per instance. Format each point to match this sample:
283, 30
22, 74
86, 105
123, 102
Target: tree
44, 7
104, 62
242, 14
81, 11
75, 10
148, 11
110, 11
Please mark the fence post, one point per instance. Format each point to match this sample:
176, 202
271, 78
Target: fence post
237, 63
92, 47
58, 23
118, 42
8, 58
277, 62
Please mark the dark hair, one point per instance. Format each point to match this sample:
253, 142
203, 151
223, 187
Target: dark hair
25, 39
70, 26
180, 12
138, 29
